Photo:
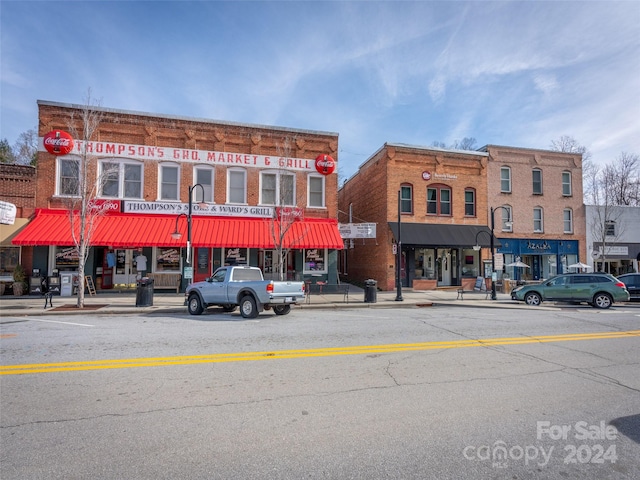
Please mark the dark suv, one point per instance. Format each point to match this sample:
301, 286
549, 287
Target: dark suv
597, 289
632, 282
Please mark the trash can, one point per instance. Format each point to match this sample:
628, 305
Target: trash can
370, 291
144, 292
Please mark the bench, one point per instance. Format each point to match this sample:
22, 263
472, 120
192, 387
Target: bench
327, 288
166, 281
462, 291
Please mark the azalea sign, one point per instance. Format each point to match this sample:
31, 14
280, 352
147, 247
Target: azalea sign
58, 142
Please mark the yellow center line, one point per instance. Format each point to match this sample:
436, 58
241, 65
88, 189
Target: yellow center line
304, 353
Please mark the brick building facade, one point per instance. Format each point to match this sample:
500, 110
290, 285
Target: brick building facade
17, 187
443, 198
539, 211
450, 201
245, 181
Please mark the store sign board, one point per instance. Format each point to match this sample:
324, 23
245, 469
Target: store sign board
58, 142
7, 213
357, 230
175, 208
325, 164
499, 261
163, 154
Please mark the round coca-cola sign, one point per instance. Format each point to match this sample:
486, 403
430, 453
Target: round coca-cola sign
325, 164
58, 142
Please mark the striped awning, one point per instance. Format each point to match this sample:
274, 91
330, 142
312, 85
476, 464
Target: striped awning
53, 227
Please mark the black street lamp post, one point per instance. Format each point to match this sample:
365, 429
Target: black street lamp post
493, 255
177, 234
399, 252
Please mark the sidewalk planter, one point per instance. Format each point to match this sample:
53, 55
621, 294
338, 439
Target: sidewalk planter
19, 278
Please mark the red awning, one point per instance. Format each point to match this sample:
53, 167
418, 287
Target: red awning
53, 227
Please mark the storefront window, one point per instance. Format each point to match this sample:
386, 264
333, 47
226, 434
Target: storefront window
9, 259
66, 258
315, 260
236, 256
167, 259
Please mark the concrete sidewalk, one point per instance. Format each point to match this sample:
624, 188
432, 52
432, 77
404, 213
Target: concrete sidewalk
124, 302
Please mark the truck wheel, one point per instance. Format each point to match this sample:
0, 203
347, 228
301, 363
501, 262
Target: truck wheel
248, 308
282, 309
195, 305
228, 308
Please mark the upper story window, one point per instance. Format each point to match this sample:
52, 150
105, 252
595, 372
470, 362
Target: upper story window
505, 180
538, 221
507, 218
277, 188
68, 184
568, 220
406, 199
203, 175
610, 228
315, 188
566, 184
236, 186
469, 202
537, 181
438, 200
169, 182
120, 179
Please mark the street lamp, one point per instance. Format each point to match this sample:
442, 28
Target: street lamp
493, 254
177, 235
477, 248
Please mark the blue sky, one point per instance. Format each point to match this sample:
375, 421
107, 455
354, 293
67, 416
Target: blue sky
505, 73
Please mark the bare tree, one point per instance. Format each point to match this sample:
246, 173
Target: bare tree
467, 143
623, 177
25, 149
287, 212
84, 211
6, 153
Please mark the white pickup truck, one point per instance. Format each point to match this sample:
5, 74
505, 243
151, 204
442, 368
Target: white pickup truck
234, 286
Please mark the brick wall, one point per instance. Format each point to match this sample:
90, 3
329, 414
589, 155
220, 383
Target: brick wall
522, 199
18, 186
179, 132
373, 193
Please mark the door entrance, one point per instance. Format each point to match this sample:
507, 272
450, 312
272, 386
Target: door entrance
124, 271
203, 264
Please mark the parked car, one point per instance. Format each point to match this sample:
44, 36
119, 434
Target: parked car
632, 282
234, 286
600, 290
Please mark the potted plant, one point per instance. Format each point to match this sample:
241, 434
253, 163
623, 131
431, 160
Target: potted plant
19, 277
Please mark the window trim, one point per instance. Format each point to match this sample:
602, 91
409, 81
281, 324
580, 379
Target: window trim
569, 184
541, 219
533, 181
309, 191
207, 198
404, 200
564, 220
508, 170
439, 187
161, 167
473, 204
231, 171
278, 193
508, 210
609, 225
59, 176
121, 163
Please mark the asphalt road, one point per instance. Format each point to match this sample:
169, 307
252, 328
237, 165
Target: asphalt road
417, 393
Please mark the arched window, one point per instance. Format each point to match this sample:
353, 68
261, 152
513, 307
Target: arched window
406, 198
